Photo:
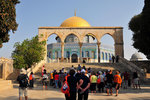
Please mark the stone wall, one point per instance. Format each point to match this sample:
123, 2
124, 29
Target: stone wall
144, 64
6, 67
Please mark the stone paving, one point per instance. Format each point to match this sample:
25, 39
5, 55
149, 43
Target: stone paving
54, 94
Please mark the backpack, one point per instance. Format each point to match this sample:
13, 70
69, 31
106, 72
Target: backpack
99, 80
45, 77
65, 88
24, 82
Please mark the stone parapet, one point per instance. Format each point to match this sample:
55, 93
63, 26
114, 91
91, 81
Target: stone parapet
144, 64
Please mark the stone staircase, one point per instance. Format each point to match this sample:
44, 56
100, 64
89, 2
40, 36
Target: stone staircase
5, 84
122, 66
94, 66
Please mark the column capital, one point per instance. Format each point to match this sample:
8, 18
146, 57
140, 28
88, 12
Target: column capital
80, 44
98, 43
62, 43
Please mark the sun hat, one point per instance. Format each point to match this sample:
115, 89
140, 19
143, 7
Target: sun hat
22, 71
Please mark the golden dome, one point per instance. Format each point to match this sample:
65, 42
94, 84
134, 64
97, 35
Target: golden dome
75, 22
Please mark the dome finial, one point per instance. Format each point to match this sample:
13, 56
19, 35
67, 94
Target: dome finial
75, 12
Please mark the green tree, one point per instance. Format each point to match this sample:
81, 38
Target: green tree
140, 25
7, 19
28, 52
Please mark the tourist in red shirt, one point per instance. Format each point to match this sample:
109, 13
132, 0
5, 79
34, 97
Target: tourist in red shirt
56, 80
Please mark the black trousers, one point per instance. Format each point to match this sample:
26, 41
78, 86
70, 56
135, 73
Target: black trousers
51, 82
83, 96
72, 96
101, 87
31, 83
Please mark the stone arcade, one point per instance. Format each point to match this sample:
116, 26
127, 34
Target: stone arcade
75, 42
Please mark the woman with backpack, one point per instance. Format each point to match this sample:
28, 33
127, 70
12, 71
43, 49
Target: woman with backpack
45, 79
72, 85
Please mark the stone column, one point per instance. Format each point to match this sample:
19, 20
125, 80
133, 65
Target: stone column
62, 51
79, 59
119, 48
98, 44
80, 45
70, 59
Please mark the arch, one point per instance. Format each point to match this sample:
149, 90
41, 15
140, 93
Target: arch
73, 33
108, 44
107, 34
92, 34
49, 35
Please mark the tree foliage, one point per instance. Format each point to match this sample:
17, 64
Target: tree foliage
28, 52
7, 19
140, 25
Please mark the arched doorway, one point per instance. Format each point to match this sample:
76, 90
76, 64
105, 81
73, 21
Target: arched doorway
74, 58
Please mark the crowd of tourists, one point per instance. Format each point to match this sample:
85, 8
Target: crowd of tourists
84, 80
78, 82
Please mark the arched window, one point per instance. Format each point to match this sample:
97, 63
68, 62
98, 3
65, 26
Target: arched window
82, 54
49, 54
93, 54
106, 56
87, 53
68, 54
56, 54
109, 56
103, 55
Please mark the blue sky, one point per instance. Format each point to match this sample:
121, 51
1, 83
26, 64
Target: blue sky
32, 14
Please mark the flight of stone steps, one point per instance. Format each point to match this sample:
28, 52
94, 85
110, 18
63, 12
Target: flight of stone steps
94, 66
5, 84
